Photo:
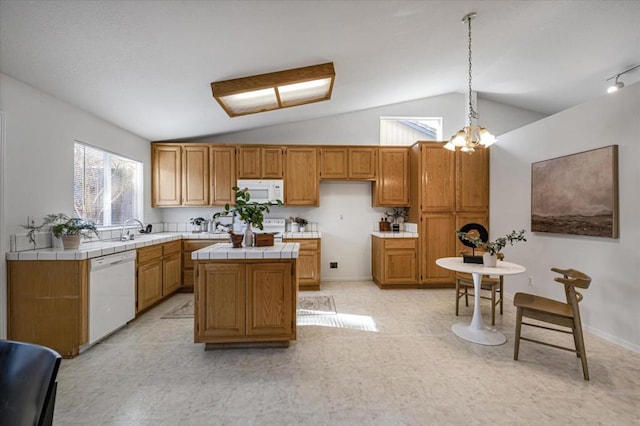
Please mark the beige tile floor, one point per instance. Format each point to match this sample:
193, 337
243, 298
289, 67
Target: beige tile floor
393, 361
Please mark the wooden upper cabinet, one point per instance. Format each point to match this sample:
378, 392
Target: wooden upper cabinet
195, 175
301, 181
437, 186
260, 162
249, 162
363, 163
334, 163
166, 185
272, 162
355, 163
392, 184
222, 166
472, 180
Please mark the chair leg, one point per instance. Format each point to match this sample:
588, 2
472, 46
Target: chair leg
457, 296
516, 345
501, 295
493, 305
466, 296
579, 339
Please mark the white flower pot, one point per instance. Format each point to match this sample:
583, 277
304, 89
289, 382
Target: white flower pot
489, 260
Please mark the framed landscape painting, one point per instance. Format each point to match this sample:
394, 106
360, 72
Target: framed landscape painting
576, 194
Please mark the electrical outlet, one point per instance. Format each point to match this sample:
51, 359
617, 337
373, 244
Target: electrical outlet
333, 265
530, 282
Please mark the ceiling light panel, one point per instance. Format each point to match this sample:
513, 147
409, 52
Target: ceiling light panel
281, 89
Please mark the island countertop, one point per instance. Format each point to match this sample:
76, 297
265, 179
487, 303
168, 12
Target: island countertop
224, 251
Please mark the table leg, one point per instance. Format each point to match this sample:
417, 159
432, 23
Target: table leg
476, 332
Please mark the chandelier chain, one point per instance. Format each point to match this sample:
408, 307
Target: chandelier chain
472, 112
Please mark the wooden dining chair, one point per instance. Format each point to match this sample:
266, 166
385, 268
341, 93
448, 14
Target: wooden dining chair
555, 312
464, 282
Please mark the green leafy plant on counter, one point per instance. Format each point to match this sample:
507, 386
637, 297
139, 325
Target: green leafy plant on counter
61, 224
250, 212
494, 247
197, 221
300, 221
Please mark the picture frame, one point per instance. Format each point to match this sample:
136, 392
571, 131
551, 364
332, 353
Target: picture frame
576, 194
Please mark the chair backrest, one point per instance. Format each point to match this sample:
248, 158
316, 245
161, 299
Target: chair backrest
573, 278
27, 383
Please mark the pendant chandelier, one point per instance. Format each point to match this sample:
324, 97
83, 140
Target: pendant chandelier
472, 136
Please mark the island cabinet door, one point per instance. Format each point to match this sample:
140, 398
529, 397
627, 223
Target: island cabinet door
269, 299
220, 301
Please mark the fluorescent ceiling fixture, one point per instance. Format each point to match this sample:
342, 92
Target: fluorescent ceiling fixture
282, 89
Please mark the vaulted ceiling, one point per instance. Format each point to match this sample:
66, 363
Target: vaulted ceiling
147, 66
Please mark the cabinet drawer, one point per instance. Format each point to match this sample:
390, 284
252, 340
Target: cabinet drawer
148, 254
305, 244
191, 245
400, 243
172, 247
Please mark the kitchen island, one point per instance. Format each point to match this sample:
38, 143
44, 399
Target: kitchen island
245, 297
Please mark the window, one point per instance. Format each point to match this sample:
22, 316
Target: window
409, 130
107, 188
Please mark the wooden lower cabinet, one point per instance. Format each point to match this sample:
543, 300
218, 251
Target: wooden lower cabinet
245, 301
48, 304
308, 262
158, 273
394, 261
188, 247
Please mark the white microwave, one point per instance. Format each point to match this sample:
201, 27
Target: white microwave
263, 190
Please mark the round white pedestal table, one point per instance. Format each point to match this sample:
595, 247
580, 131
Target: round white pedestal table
477, 332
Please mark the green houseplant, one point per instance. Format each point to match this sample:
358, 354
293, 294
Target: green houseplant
197, 223
250, 212
493, 248
68, 229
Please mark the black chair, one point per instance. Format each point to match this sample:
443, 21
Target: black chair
27, 383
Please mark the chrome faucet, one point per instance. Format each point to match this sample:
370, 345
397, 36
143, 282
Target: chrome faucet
128, 236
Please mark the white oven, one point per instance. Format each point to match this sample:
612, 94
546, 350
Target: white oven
263, 190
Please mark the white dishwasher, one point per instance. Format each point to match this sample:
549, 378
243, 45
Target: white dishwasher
112, 299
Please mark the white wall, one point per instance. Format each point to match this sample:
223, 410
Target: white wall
348, 240
39, 136
611, 304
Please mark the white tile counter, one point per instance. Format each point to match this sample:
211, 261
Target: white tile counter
302, 235
89, 249
226, 251
390, 234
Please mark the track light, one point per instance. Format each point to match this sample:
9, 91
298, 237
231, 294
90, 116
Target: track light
617, 85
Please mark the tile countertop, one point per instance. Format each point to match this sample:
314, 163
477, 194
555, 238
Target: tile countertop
225, 251
89, 249
302, 235
389, 234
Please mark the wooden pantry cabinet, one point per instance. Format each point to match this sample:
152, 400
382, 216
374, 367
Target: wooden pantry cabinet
348, 163
192, 174
394, 262
309, 263
260, 162
301, 177
448, 190
158, 273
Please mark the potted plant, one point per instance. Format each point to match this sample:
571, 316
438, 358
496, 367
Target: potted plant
250, 212
492, 248
197, 223
68, 229
301, 223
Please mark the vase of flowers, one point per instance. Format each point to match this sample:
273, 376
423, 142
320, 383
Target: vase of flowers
492, 248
